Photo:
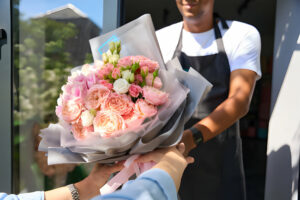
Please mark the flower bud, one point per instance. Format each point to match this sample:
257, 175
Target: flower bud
105, 58
113, 59
131, 79
126, 74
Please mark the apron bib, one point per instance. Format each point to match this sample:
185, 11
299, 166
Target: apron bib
217, 172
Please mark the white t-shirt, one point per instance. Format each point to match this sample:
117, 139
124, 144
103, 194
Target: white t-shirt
241, 41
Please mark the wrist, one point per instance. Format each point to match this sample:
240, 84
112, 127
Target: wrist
196, 134
87, 188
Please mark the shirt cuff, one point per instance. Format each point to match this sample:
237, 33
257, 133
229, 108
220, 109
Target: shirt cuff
163, 179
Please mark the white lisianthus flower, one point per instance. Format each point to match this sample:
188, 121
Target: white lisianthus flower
85, 69
121, 86
75, 73
87, 118
126, 74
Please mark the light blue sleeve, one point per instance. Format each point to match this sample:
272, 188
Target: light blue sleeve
25, 196
152, 184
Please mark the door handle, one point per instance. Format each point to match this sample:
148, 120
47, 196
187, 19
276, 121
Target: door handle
3, 39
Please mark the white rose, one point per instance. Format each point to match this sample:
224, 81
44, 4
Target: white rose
121, 86
87, 118
126, 74
86, 69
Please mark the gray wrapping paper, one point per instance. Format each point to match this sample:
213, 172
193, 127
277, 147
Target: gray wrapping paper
186, 89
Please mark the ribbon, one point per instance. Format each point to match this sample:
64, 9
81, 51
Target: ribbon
130, 168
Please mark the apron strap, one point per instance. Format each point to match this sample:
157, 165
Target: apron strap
218, 36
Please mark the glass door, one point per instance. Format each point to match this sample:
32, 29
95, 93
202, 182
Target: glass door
5, 96
49, 39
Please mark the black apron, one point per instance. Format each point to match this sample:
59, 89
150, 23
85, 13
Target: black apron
217, 172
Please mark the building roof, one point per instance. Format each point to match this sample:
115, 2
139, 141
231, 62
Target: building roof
68, 11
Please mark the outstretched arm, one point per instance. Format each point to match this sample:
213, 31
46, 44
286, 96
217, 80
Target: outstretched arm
242, 83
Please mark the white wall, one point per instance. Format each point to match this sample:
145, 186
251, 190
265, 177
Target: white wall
284, 127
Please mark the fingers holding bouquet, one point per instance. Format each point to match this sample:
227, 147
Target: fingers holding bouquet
170, 159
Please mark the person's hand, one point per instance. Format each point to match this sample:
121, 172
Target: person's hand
188, 140
89, 187
170, 160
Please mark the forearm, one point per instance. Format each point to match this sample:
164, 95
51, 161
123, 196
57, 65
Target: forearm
86, 189
61, 193
226, 114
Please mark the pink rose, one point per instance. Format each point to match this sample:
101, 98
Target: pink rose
157, 82
116, 73
145, 109
71, 110
125, 61
119, 103
135, 90
154, 96
96, 96
106, 84
107, 122
133, 119
80, 132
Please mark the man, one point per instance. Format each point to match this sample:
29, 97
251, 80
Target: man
226, 53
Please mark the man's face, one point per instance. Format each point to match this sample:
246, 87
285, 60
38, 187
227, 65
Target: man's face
193, 9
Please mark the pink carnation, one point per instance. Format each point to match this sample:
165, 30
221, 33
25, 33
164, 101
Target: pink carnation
152, 65
105, 71
96, 96
135, 90
74, 90
138, 78
119, 103
116, 73
107, 122
154, 96
125, 61
80, 132
157, 82
106, 84
145, 109
138, 58
71, 110
78, 79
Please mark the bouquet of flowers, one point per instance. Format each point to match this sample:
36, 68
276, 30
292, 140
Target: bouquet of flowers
105, 100
128, 102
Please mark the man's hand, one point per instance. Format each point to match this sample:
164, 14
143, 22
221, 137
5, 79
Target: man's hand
188, 140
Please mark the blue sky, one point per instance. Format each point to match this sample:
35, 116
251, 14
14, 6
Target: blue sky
92, 8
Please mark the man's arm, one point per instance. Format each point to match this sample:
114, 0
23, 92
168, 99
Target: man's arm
241, 87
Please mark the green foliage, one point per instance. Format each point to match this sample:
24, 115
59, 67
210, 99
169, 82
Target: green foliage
41, 67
